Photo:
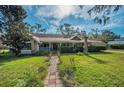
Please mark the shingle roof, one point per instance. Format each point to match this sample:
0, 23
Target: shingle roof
55, 38
48, 35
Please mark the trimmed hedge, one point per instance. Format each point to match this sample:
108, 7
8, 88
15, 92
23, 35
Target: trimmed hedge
117, 46
42, 53
64, 49
91, 48
79, 49
96, 48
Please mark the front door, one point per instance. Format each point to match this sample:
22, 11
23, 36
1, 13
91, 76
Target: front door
55, 46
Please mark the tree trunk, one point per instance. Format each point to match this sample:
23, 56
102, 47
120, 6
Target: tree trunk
17, 52
85, 46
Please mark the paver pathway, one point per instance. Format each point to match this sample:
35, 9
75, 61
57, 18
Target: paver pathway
52, 79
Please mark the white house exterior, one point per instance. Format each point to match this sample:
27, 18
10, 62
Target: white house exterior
52, 42
117, 41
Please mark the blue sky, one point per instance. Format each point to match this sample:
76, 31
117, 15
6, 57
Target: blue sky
51, 17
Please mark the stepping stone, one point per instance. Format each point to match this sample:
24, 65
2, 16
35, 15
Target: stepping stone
58, 81
52, 81
52, 77
53, 73
52, 85
59, 85
45, 85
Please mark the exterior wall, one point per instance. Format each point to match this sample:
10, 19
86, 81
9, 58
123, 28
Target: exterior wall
34, 46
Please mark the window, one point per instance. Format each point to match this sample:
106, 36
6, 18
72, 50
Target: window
44, 45
27, 46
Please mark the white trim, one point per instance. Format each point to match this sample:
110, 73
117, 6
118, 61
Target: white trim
26, 52
75, 36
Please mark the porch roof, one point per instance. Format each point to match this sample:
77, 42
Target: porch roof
62, 40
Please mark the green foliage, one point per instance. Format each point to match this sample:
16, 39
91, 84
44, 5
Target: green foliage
14, 32
117, 46
3, 47
26, 71
96, 48
102, 13
91, 48
68, 30
67, 72
107, 35
65, 49
79, 49
96, 70
42, 53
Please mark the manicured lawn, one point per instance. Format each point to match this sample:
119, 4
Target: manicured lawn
22, 71
119, 50
97, 69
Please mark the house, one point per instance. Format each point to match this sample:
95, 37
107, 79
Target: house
52, 42
116, 41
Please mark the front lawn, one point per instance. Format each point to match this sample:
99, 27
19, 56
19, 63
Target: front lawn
22, 71
116, 50
96, 69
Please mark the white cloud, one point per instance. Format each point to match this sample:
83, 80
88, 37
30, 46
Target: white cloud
57, 12
53, 15
82, 13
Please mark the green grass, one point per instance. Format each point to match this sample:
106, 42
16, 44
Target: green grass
4, 51
97, 69
22, 71
119, 50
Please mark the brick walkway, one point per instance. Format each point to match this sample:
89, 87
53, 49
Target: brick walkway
52, 79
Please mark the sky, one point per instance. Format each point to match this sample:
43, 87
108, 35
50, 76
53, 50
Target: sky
50, 17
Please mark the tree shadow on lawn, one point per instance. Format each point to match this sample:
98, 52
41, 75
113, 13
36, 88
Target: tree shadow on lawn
102, 52
97, 60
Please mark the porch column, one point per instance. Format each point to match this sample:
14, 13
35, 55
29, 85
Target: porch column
73, 46
60, 46
49, 46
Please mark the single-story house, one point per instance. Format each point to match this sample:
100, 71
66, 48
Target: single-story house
116, 41
52, 42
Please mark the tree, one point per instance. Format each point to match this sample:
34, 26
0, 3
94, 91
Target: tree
100, 14
68, 30
14, 32
84, 35
38, 28
95, 33
107, 35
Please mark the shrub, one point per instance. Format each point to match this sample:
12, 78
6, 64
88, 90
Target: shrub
64, 49
67, 72
79, 49
42, 53
117, 46
32, 80
96, 48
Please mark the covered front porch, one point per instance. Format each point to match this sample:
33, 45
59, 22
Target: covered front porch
58, 46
